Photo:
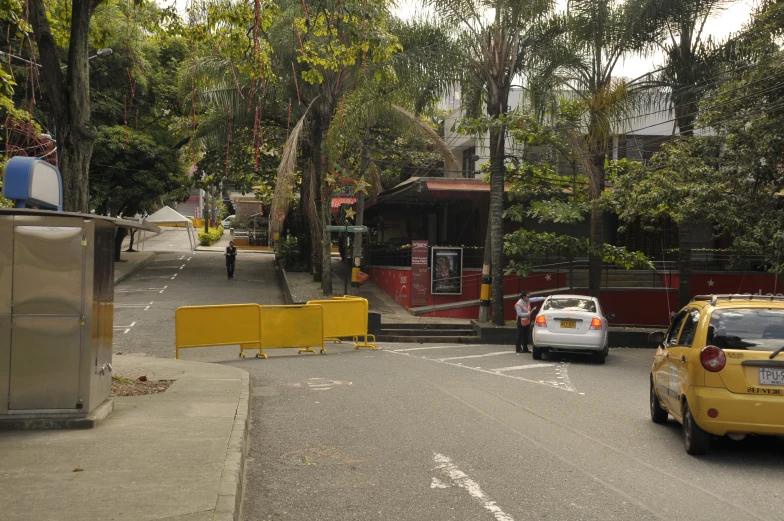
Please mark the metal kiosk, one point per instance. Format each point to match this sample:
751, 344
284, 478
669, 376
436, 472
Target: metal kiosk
56, 313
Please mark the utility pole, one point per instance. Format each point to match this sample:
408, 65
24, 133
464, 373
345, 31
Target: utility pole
360, 213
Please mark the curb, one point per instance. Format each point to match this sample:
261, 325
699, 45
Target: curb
136, 268
284, 285
231, 486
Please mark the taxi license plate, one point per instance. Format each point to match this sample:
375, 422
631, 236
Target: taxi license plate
771, 376
571, 324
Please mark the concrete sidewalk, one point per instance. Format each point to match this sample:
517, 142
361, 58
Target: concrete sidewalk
178, 455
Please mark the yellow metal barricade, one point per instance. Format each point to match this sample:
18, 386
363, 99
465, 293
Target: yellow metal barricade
346, 317
299, 326
205, 326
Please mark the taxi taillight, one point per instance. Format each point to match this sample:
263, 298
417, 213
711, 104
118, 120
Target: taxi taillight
596, 323
713, 359
541, 321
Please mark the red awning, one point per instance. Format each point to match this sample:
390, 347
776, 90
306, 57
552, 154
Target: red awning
337, 202
457, 188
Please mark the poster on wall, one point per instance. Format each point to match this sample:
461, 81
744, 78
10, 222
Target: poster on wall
419, 276
447, 271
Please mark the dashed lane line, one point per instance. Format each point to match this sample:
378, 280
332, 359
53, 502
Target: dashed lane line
462, 480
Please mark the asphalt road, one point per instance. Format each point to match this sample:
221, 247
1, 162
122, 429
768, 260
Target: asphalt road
452, 432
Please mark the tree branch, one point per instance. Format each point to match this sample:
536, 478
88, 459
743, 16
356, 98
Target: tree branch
51, 73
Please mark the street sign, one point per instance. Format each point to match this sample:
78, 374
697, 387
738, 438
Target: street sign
349, 229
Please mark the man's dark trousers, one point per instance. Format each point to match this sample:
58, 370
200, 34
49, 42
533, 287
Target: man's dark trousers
230, 267
521, 346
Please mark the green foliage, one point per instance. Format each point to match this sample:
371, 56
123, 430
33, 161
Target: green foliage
211, 237
131, 172
287, 251
236, 223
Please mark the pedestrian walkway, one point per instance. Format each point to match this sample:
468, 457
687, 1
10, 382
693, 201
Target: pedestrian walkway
177, 455
303, 289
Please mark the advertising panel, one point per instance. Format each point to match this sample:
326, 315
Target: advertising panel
447, 271
419, 273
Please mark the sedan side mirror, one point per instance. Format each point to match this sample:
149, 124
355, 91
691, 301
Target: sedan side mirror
610, 316
657, 337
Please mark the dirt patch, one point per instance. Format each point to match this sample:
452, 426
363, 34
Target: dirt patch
127, 387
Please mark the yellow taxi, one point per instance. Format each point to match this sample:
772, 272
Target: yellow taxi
719, 369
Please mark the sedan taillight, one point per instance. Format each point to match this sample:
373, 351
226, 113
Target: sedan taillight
713, 358
541, 321
596, 323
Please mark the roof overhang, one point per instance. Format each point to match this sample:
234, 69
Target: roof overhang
134, 224
428, 190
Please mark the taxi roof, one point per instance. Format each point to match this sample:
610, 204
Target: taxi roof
740, 301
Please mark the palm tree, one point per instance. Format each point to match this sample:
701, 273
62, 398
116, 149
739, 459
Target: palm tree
493, 53
691, 62
600, 33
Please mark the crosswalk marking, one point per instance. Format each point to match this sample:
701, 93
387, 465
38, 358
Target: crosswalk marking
507, 352
421, 348
518, 367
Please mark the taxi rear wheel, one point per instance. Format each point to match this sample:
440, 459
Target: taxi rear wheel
658, 413
695, 440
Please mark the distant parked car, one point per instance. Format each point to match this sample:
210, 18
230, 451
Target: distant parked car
571, 323
226, 223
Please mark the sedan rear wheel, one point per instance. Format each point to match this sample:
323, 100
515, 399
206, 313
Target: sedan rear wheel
658, 413
695, 440
537, 353
600, 356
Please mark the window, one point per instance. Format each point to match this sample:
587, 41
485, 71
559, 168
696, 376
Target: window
570, 304
634, 148
689, 328
752, 329
672, 334
469, 162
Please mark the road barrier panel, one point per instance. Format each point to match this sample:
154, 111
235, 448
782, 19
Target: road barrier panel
297, 326
346, 317
222, 325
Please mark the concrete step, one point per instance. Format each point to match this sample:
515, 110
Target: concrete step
426, 326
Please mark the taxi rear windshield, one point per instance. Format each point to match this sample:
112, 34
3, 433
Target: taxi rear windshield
570, 304
751, 329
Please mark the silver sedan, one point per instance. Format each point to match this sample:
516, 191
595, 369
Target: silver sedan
571, 323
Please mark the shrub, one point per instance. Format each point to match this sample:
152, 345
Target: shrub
211, 237
287, 251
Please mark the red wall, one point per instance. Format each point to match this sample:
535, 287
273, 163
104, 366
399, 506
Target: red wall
645, 307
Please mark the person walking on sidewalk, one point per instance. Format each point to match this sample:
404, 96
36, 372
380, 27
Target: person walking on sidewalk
231, 258
523, 311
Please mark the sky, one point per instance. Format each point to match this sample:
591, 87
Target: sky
720, 26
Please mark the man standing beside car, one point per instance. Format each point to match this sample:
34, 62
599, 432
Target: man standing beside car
523, 311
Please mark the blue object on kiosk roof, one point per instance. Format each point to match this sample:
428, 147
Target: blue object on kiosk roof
32, 182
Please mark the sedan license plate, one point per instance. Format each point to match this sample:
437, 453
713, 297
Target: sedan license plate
571, 324
771, 376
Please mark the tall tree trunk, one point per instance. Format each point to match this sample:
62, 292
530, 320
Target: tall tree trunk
119, 237
684, 261
69, 98
596, 187
487, 279
496, 215
314, 204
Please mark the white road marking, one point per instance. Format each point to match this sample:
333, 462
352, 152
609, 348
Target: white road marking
518, 367
507, 352
437, 483
421, 348
462, 480
181, 257
553, 384
164, 289
126, 331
